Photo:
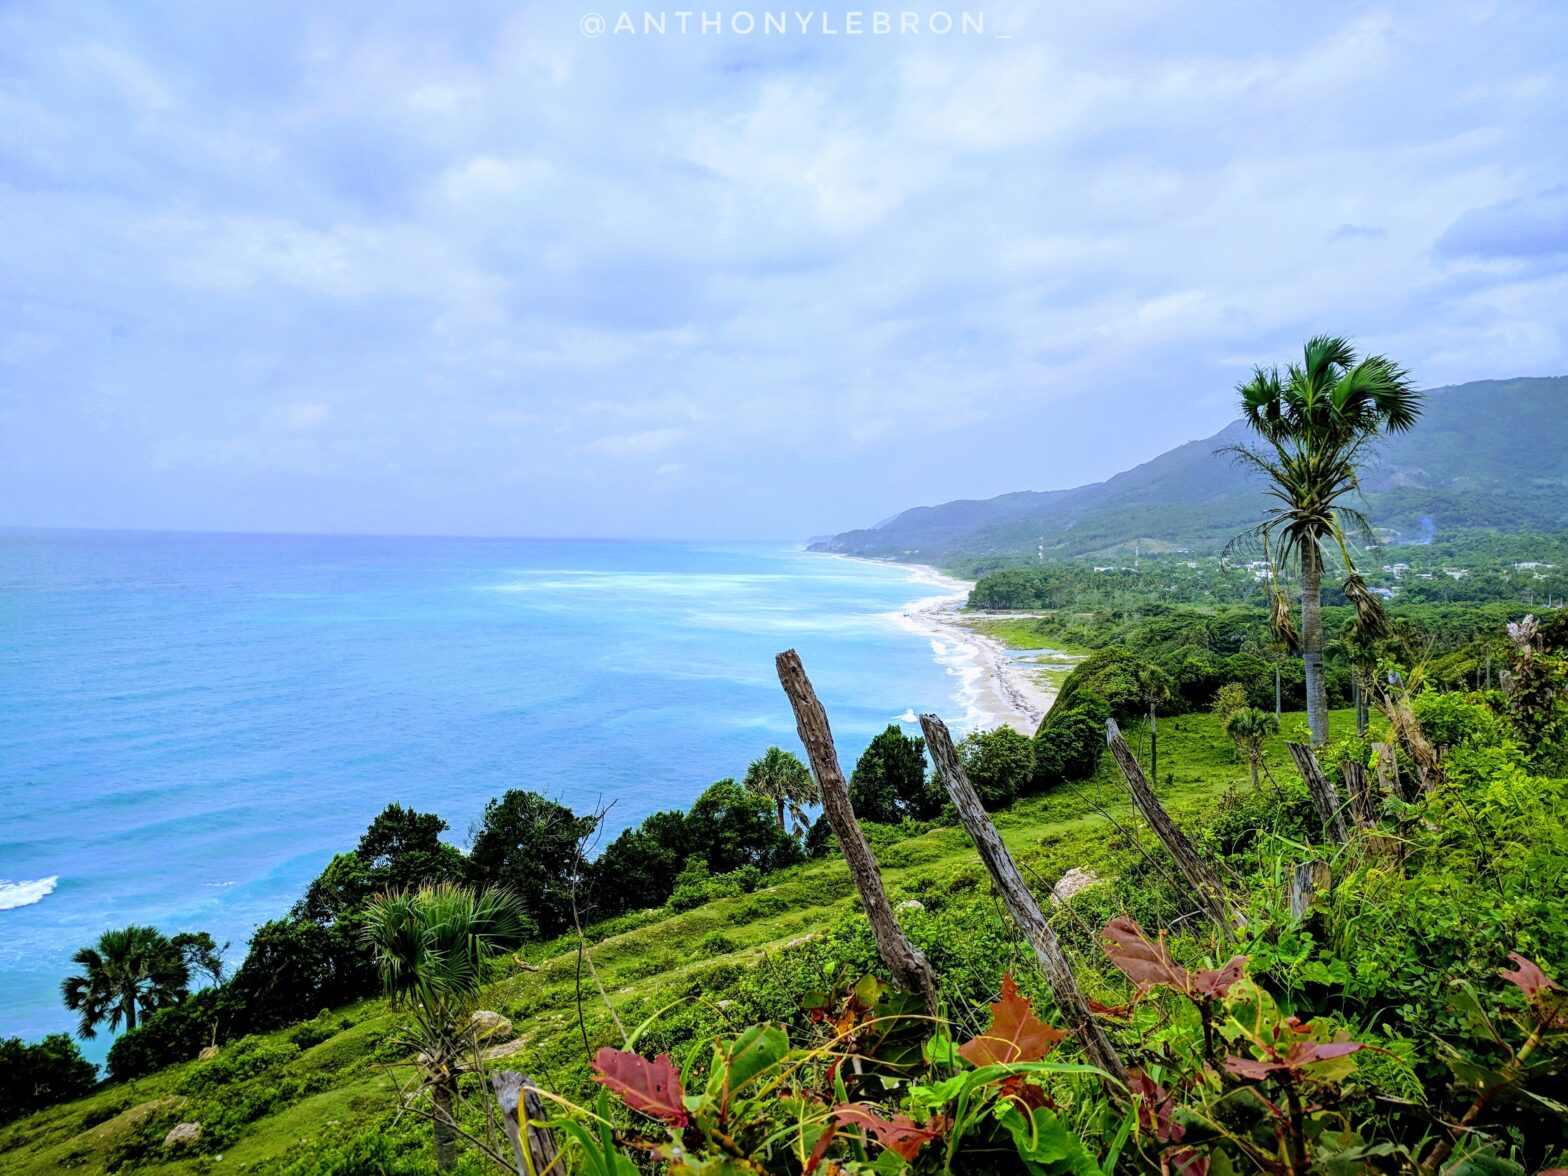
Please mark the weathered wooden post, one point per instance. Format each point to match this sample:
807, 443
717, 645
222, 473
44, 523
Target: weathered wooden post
1323, 793
1021, 903
909, 967
1362, 807
521, 1104
1307, 881
1200, 876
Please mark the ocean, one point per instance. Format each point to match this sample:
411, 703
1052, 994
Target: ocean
191, 725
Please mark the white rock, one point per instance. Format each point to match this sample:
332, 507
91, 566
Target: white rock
182, 1134
486, 1025
1076, 879
910, 904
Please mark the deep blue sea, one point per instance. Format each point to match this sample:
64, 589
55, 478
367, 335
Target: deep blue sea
191, 725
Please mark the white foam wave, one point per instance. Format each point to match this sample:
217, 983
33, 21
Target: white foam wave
20, 894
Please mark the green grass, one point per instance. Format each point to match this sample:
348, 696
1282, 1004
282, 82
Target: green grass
647, 962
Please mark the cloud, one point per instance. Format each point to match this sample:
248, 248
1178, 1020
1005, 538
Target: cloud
1358, 233
886, 270
303, 416
1524, 228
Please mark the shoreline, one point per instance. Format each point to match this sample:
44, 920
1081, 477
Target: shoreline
995, 689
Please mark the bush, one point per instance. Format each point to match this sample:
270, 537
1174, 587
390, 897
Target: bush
1069, 746
998, 763
36, 1076
175, 1034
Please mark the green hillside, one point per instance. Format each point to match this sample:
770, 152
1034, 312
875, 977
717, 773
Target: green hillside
1493, 453
321, 1096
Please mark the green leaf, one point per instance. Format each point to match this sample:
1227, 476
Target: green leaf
739, 1063
1045, 1145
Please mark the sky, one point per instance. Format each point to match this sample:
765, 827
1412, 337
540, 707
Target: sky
469, 268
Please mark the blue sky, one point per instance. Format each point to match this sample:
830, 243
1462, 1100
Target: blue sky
460, 268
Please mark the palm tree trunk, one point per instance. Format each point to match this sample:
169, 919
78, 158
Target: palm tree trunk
1154, 748
445, 1127
782, 825
1252, 762
1312, 641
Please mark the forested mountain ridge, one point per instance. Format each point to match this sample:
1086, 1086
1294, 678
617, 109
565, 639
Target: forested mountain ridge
1492, 453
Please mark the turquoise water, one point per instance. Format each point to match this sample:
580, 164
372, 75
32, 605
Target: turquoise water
190, 725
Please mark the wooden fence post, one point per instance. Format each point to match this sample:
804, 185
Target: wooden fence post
1200, 876
909, 967
1324, 795
521, 1104
1307, 881
1021, 903
1362, 806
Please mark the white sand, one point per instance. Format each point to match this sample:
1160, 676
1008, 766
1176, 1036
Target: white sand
994, 689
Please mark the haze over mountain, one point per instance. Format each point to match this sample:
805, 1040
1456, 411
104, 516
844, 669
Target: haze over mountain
1493, 453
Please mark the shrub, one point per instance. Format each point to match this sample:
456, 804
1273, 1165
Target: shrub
39, 1075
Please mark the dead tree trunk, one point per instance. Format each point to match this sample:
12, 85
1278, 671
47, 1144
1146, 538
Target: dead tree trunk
1323, 794
1021, 903
520, 1106
1205, 883
910, 969
1362, 806
1307, 881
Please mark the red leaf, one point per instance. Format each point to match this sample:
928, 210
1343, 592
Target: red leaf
1026, 1094
1189, 1162
654, 1088
1304, 1053
1118, 1012
1247, 1068
1217, 982
1528, 977
1016, 1034
1146, 964
1155, 1107
899, 1134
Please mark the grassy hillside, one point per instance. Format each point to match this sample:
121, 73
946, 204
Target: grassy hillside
1493, 453
295, 1096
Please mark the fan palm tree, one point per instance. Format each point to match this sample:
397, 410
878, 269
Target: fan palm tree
780, 778
1318, 418
127, 976
1248, 728
431, 947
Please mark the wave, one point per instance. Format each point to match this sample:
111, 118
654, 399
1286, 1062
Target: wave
20, 894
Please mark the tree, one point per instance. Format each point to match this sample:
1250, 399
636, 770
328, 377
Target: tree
998, 763
780, 778
638, 869
36, 1076
1248, 728
889, 780
1154, 687
431, 946
1318, 419
732, 828
1069, 746
128, 975
200, 954
403, 849
296, 967
531, 846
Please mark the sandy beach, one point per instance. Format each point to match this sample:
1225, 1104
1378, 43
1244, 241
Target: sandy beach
995, 688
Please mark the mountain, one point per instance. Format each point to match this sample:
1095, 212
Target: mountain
1493, 453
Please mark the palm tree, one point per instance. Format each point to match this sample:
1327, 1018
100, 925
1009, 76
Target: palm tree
431, 947
126, 977
779, 777
1154, 686
1248, 728
1318, 418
